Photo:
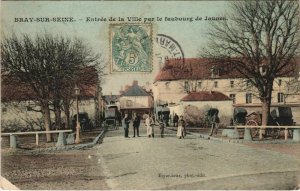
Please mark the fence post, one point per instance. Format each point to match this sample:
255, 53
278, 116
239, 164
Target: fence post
13, 141
247, 135
296, 135
61, 140
37, 139
286, 133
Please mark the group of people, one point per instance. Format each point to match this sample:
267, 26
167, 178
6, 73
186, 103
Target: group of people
136, 125
150, 123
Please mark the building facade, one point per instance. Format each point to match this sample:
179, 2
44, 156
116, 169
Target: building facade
21, 110
173, 83
135, 100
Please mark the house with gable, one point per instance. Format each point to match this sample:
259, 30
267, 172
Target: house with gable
209, 99
135, 100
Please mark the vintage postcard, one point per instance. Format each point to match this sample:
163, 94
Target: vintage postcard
144, 95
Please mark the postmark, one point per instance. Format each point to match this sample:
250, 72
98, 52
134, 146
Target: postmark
131, 47
170, 52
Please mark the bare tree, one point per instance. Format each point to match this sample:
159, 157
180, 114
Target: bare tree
48, 65
260, 40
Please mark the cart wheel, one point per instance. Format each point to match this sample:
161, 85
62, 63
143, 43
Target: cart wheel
276, 132
254, 131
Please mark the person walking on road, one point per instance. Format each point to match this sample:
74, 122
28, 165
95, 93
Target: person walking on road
175, 120
161, 127
181, 128
136, 125
126, 122
214, 124
150, 126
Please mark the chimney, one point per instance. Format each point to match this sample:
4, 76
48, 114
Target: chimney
135, 82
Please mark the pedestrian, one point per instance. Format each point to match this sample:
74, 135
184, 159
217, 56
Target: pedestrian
181, 128
214, 124
175, 120
136, 125
161, 127
166, 119
126, 122
119, 118
150, 126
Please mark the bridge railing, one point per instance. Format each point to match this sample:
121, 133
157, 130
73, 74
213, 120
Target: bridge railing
13, 139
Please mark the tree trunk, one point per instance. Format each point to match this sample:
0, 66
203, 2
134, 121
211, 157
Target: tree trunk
47, 119
67, 113
265, 112
57, 113
265, 109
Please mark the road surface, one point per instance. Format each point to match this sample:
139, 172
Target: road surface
193, 163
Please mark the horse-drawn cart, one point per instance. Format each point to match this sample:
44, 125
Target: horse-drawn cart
280, 116
239, 116
111, 115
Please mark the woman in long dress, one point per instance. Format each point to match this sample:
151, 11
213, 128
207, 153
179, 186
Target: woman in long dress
150, 126
181, 128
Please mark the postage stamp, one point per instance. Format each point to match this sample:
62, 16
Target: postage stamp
131, 47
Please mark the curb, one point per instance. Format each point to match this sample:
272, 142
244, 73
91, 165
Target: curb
204, 136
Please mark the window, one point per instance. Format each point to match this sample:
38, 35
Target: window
28, 108
279, 82
248, 83
231, 84
214, 72
215, 84
199, 84
129, 103
167, 85
186, 85
232, 97
4, 109
248, 98
280, 97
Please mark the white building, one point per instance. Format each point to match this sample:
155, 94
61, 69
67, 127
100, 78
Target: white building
135, 100
174, 82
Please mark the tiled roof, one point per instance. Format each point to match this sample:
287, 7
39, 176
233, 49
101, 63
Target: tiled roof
135, 90
205, 96
200, 68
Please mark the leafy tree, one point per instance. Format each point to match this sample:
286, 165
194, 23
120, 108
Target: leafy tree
260, 40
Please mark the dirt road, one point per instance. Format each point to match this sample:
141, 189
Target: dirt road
60, 171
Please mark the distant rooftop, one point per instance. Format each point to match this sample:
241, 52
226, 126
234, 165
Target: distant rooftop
201, 68
135, 90
206, 96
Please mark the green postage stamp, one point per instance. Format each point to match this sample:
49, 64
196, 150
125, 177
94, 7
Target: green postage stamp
131, 47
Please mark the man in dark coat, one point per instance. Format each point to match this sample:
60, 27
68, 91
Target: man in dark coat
161, 127
175, 120
214, 124
126, 122
136, 125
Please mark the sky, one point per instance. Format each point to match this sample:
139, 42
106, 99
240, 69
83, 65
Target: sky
191, 36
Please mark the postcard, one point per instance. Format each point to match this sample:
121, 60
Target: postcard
143, 95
